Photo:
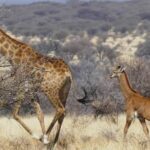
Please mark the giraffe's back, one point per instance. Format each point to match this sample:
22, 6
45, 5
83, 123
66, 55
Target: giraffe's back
30, 57
50, 69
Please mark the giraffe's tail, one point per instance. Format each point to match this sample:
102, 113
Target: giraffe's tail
75, 89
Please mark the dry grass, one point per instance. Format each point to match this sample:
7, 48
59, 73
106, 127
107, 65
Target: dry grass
78, 133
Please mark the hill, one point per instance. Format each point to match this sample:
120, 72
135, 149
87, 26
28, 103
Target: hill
47, 18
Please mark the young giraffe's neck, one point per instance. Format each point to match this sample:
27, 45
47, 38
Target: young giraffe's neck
125, 85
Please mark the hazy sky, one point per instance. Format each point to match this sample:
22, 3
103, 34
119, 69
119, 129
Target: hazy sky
31, 1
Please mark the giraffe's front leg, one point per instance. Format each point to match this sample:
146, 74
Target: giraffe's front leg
40, 115
20, 96
18, 119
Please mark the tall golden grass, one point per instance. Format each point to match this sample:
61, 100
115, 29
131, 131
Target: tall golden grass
78, 133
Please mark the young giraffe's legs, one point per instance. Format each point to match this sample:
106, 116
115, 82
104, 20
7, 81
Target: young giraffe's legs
128, 123
145, 128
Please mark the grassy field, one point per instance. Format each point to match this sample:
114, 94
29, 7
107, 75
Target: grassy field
78, 133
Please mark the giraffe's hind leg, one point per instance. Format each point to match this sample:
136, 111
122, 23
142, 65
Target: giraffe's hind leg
59, 101
60, 111
63, 96
52, 144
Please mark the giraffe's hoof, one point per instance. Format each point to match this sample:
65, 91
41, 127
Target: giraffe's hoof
51, 146
45, 139
36, 136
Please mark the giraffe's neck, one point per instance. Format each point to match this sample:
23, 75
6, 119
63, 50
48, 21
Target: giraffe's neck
8, 46
125, 85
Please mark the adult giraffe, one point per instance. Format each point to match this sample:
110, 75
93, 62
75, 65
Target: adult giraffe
136, 104
56, 81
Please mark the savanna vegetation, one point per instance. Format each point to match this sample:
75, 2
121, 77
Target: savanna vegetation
92, 37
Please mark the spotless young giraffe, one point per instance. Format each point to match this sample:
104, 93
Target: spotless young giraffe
56, 81
136, 104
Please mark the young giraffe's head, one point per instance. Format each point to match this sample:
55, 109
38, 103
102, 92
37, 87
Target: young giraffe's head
117, 71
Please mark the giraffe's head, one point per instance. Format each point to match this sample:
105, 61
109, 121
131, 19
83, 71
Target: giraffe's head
117, 71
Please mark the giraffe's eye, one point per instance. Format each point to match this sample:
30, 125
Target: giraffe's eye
118, 67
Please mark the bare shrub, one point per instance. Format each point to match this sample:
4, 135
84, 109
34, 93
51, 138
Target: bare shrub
102, 108
109, 109
19, 85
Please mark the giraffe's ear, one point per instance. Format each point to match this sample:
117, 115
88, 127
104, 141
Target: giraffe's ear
123, 69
